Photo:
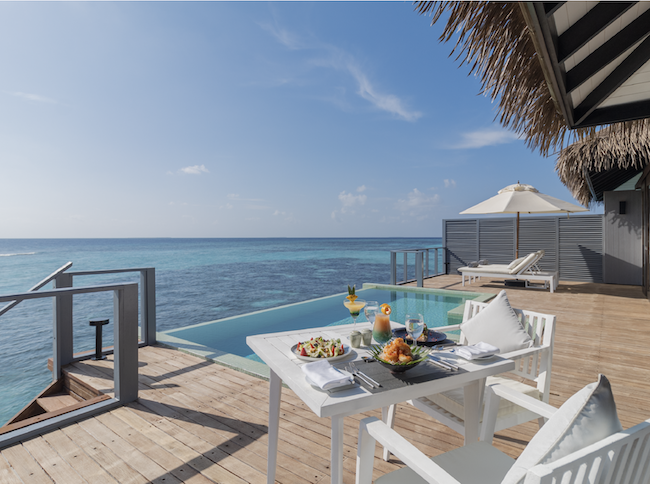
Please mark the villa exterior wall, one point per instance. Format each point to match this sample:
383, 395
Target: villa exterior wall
623, 238
573, 245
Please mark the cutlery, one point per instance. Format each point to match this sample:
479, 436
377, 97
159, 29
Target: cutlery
443, 364
363, 376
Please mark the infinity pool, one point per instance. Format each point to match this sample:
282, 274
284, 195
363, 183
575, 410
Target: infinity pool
224, 340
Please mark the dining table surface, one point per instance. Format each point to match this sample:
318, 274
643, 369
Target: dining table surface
427, 378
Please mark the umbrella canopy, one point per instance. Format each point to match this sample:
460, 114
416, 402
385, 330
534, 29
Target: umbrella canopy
520, 198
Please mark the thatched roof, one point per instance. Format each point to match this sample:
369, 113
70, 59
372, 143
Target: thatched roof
620, 146
494, 40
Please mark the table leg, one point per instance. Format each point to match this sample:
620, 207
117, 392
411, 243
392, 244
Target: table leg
473, 404
275, 393
336, 466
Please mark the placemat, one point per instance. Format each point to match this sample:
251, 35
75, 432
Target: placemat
425, 371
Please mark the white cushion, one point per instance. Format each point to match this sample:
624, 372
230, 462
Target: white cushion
528, 260
586, 418
516, 262
453, 401
497, 325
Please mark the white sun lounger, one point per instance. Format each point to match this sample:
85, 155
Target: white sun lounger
522, 269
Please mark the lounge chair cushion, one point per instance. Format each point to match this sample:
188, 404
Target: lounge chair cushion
516, 262
586, 418
528, 261
453, 400
497, 325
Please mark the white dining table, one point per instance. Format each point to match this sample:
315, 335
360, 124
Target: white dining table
275, 350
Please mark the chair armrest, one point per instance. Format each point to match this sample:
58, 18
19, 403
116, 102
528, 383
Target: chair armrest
523, 400
372, 429
451, 327
513, 355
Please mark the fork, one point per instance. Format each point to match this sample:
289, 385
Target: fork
355, 371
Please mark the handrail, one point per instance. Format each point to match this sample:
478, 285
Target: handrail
421, 264
49, 278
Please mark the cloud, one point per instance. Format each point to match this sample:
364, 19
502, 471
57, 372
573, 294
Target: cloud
341, 60
349, 201
450, 183
361, 189
417, 203
485, 137
34, 97
194, 170
385, 102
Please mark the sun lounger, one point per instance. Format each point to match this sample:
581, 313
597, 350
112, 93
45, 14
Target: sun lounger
522, 269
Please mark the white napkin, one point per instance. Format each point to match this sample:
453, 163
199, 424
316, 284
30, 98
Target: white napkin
478, 350
325, 376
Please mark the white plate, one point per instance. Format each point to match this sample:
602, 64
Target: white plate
346, 352
483, 358
352, 384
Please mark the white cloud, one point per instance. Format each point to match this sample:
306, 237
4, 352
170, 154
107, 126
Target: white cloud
485, 137
449, 183
194, 170
416, 203
286, 38
361, 189
34, 97
349, 201
385, 102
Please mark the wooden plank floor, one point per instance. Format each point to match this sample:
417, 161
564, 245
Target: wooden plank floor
199, 422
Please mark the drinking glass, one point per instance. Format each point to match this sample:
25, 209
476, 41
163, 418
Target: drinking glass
414, 326
355, 308
371, 310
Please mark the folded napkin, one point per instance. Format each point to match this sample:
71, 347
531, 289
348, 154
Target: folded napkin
478, 350
325, 376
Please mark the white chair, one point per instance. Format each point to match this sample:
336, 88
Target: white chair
583, 443
523, 269
532, 364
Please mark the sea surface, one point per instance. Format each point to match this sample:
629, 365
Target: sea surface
197, 280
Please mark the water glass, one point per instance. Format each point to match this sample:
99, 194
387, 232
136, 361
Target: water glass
371, 309
414, 326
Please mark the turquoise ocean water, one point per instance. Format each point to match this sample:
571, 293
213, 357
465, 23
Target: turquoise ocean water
197, 280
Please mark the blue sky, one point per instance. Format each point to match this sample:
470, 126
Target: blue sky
289, 119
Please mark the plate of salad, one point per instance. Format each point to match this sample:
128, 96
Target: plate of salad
319, 348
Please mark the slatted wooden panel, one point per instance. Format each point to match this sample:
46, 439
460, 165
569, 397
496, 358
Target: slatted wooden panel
573, 246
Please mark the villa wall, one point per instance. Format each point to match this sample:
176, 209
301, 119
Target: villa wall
573, 245
623, 238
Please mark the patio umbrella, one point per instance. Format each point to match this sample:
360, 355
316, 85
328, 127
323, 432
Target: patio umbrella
520, 198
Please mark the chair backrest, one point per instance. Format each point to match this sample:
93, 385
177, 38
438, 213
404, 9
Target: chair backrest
541, 328
620, 458
532, 263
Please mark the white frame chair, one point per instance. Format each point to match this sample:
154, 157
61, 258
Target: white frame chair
622, 457
533, 364
529, 272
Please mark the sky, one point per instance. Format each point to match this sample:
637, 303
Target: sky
243, 119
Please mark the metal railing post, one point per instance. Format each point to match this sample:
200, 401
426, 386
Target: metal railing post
393, 267
405, 267
62, 342
125, 328
148, 296
418, 268
436, 261
427, 262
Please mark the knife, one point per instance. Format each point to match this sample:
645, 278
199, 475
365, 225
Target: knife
368, 378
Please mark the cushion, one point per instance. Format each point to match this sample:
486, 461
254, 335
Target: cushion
497, 325
516, 262
528, 260
453, 400
587, 417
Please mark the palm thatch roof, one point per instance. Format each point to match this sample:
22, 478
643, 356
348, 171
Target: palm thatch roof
621, 146
495, 40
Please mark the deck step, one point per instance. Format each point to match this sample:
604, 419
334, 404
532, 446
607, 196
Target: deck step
55, 402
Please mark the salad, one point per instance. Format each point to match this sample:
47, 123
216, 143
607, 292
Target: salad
321, 348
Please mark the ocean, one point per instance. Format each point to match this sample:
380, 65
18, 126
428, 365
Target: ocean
197, 280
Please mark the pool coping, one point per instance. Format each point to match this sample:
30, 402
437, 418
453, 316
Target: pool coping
260, 370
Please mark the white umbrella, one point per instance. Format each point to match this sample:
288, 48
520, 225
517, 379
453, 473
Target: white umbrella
520, 198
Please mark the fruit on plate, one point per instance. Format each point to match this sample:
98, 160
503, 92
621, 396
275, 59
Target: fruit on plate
385, 309
321, 348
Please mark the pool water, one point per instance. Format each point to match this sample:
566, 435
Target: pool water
227, 336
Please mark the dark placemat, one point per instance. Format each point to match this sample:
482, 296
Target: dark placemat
425, 371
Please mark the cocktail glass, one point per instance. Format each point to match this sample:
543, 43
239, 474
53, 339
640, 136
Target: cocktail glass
355, 308
381, 330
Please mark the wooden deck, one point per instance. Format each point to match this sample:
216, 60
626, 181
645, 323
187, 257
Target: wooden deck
199, 422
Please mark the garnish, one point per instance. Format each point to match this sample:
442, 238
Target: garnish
352, 293
385, 309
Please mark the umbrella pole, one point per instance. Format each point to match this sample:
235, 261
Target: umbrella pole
517, 251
